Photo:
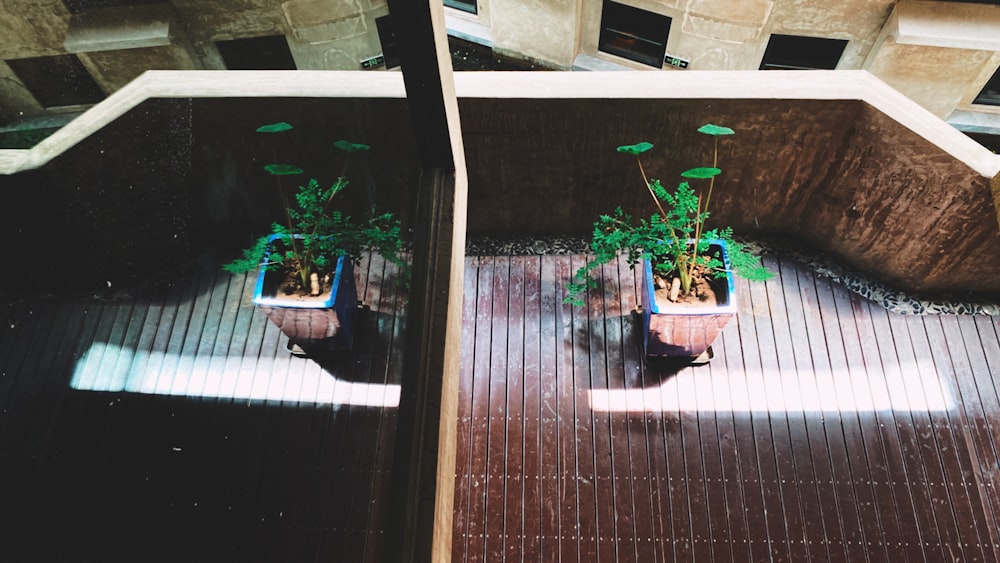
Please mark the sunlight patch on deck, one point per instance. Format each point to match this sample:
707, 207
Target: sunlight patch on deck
111, 368
915, 387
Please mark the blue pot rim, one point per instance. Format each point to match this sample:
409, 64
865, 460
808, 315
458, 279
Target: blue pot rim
274, 301
729, 307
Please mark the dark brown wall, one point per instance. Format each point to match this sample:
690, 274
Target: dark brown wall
229, 156
117, 208
837, 175
175, 183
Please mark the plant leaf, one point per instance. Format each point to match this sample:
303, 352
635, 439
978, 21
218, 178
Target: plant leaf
715, 130
348, 146
274, 127
283, 169
704, 172
636, 149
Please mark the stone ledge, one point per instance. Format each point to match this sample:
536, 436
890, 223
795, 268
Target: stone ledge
946, 24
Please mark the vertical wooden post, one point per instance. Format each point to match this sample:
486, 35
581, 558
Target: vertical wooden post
424, 455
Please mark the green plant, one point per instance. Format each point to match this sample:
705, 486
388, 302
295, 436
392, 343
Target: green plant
315, 234
674, 238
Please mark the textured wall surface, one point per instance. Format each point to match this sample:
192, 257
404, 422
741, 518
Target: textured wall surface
836, 175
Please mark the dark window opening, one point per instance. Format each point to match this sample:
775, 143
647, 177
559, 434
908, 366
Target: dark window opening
387, 37
56, 81
990, 141
990, 95
633, 34
257, 53
464, 5
794, 52
82, 6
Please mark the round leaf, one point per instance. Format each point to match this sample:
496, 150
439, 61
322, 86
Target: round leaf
283, 169
699, 173
348, 146
715, 130
636, 149
274, 127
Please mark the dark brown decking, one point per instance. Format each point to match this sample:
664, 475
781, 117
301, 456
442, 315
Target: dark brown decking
826, 428
178, 428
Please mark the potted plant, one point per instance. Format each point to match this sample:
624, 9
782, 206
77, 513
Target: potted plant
305, 281
687, 294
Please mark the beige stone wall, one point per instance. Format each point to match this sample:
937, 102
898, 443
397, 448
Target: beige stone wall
117, 44
536, 30
941, 54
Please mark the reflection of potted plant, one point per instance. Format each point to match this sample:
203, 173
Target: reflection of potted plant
687, 269
306, 282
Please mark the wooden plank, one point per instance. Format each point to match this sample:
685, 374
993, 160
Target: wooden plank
551, 369
902, 533
790, 358
761, 422
954, 441
806, 429
619, 480
986, 327
769, 323
595, 448
351, 481
497, 414
28, 405
571, 511
463, 449
514, 423
978, 346
373, 421
626, 362
584, 345
846, 443
911, 426
751, 481
877, 502
669, 527
937, 445
707, 405
737, 532
534, 440
480, 418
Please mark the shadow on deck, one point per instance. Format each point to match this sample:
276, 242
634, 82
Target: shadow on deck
178, 428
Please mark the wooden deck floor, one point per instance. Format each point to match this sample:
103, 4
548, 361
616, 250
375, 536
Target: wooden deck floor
178, 428
825, 428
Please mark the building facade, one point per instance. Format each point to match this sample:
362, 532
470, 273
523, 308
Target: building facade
60, 56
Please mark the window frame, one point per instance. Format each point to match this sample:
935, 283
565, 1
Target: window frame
984, 97
74, 88
640, 30
467, 6
798, 44
225, 45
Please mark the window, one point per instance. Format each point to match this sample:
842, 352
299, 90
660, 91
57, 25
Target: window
794, 52
387, 37
990, 95
56, 81
256, 53
634, 34
464, 5
81, 6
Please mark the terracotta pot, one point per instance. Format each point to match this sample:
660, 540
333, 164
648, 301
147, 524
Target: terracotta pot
685, 331
325, 323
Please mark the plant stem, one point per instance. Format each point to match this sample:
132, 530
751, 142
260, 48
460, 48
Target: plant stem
656, 200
